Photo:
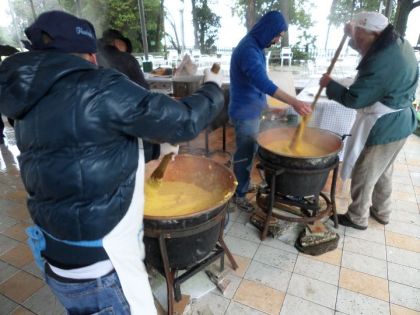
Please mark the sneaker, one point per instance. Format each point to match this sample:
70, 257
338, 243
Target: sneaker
243, 204
377, 219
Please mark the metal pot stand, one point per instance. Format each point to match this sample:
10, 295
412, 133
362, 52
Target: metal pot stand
173, 282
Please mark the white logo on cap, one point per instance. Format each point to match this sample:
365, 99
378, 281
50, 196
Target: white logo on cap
81, 31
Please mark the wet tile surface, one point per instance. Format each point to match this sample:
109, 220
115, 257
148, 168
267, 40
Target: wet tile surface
313, 290
350, 302
259, 297
376, 271
365, 284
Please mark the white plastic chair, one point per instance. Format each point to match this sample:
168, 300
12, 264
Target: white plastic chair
267, 60
286, 53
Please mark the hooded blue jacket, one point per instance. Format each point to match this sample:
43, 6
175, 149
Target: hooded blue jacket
249, 82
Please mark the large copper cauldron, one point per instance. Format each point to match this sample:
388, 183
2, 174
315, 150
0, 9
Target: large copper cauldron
299, 176
201, 228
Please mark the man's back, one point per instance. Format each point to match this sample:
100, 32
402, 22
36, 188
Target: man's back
77, 130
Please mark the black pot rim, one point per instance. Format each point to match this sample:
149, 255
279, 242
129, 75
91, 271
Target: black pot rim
305, 158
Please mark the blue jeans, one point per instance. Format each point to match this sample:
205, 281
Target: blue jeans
97, 296
246, 146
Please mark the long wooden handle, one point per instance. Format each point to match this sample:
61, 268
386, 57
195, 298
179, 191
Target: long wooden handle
160, 170
330, 68
299, 131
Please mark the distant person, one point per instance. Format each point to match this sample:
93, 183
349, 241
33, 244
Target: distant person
79, 129
249, 85
382, 94
114, 51
5, 51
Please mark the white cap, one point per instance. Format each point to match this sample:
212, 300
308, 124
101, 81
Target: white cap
371, 21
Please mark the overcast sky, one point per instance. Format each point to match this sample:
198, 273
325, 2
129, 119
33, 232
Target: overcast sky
232, 29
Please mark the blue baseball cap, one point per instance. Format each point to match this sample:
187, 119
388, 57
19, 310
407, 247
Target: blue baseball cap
69, 34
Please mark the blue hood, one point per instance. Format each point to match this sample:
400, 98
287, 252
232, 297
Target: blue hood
268, 27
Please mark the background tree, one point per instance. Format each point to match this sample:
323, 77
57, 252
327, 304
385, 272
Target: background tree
404, 8
343, 10
399, 11
173, 40
296, 12
122, 15
206, 26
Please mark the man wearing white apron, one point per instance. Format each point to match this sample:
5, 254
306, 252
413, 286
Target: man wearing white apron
84, 134
382, 94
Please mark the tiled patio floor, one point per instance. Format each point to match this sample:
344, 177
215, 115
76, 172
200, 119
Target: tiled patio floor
376, 271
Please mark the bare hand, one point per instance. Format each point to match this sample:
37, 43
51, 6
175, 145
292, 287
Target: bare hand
325, 80
302, 108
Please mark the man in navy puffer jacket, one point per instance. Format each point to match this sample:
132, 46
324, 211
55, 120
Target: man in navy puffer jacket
249, 85
79, 130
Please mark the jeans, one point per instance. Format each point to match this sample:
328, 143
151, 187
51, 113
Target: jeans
246, 146
97, 296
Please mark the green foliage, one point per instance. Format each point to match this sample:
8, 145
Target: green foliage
121, 15
298, 12
305, 43
208, 24
344, 9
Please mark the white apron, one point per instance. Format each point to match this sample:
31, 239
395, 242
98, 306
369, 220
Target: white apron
365, 119
124, 246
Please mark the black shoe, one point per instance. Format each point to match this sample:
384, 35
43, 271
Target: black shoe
377, 219
243, 204
344, 220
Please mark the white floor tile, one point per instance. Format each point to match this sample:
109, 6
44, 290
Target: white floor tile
372, 235
407, 206
276, 243
236, 308
241, 247
272, 277
350, 302
214, 303
404, 295
245, 231
275, 257
403, 257
404, 275
363, 247
403, 228
361, 263
404, 216
317, 270
293, 305
313, 290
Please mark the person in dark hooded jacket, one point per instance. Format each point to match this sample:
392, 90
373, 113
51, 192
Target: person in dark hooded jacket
114, 51
79, 129
249, 85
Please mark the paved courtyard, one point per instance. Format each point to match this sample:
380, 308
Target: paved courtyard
376, 271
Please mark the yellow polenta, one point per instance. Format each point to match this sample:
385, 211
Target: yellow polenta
302, 149
174, 198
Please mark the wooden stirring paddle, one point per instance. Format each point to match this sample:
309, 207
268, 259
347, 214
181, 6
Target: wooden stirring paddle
158, 173
301, 128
